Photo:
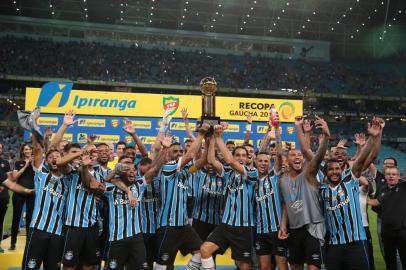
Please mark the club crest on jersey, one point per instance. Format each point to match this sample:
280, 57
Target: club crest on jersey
165, 256
170, 103
113, 264
257, 246
340, 193
68, 255
32, 263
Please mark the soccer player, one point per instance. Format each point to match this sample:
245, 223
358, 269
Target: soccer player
301, 208
268, 205
174, 233
45, 242
347, 247
237, 225
209, 188
82, 231
126, 245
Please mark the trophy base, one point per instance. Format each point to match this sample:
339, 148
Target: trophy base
211, 120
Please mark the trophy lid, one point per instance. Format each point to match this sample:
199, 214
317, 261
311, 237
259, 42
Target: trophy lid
208, 86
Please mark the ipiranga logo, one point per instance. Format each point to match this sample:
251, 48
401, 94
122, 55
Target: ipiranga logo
57, 95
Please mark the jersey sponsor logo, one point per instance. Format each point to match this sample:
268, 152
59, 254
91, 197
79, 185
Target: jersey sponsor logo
235, 188
54, 94
339, 205
297, 205
265, 196
170, 103
48, 121
89, 122
52, 192
207, 189
69, 255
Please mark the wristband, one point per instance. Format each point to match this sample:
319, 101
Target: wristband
248, 127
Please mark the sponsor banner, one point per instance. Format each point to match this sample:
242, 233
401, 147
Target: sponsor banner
180, 125
48, 121
67, 136
59, 97
89, 122
233, 128
100, 138
262, 129
238, 108
240, 142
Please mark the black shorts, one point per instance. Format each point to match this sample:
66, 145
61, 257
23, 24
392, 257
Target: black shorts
203, 229
352, 256
150, 247
128, 252
240, 239
269, 243
172, 239
81, 246
42, 247
304, 248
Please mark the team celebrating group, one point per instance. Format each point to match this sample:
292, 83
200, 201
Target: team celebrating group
275, 207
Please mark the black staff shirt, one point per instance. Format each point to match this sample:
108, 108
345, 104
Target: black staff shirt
393, 206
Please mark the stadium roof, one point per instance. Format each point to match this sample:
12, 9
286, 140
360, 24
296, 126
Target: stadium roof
337, 21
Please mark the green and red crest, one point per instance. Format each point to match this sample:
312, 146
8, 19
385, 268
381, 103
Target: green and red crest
115, 123
170, 103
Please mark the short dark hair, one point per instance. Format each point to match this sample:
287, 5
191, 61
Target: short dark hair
249, 145
69, 146
129, 147
145, 161
50, 151
123, 157
392, 158
240, 147
102, 144
263, 153
121, 143
331, 160
188, 140
230, 142
175, 143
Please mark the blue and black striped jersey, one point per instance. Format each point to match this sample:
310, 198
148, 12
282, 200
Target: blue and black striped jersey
173, 184
149, 205
209, 190
50, 199
81, 207
239, 198
342, 210
124, 221
268, 204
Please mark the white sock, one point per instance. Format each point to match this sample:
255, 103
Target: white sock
195, 262
159, 267
208, 263
190, 221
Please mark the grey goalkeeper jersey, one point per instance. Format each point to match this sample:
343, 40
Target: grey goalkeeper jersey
302, 201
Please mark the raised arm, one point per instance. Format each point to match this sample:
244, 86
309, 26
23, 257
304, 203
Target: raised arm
278, 161
374, 131
128, 127
13, 186
37, 152
196, 145
211, 157
303, 129
202, 158
227, 157
17, 174
248, 129
68, 120
313, 167
156, 147
88, 180
159, 161
189, 131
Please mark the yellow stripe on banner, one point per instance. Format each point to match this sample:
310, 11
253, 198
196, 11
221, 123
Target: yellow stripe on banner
154, 105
